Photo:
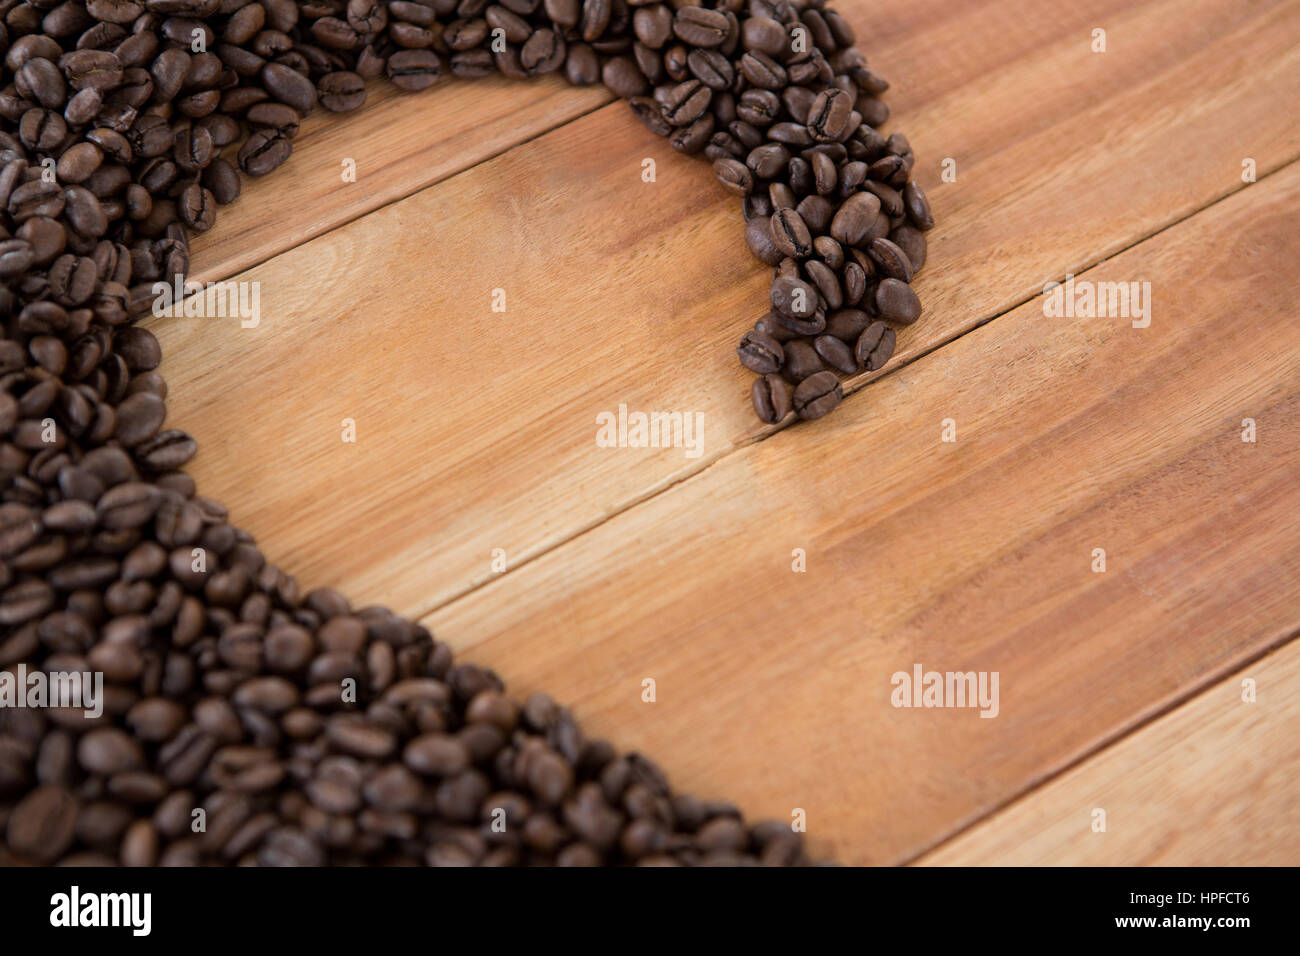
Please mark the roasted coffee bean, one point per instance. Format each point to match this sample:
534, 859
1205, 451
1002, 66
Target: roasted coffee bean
414, 70
685, 102
263, 151
874, 346
853, 220
758, 236
699, 27
847, 324
891, 261
792, 298
917, 206
911, 241
897, 303
760, 353
43, 824
767, 162
761, 70
827, 283
544, 52
817, 395
836, 354
828, 116
771, 398
139, 417
801, 361
790, 234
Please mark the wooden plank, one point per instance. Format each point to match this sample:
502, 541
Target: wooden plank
1210, 781
626, 292
398, 144
774, 687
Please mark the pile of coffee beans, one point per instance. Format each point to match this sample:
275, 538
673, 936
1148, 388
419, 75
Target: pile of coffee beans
244, 722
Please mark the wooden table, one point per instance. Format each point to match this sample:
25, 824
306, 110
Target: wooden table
1125, 690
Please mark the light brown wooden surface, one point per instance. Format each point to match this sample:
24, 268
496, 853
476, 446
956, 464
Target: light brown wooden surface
476, 429
1214, 780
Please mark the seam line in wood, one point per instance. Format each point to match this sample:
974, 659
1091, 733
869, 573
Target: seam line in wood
225, 274
1203, 686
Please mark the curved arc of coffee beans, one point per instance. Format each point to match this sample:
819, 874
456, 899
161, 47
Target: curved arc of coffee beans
306, 730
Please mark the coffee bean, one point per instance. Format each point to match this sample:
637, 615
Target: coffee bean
897, 303
911, 241
828, 116
874, 346
771, 398
43, 824
891, 261
917, 206
699, 27
847, 324
263, 152
734, 176
760, 353
790, 234
792, 298
139, 417
854, 218
836, 354
801, 361
817, 395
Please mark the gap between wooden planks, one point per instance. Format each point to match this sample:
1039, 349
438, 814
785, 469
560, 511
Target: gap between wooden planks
476, 430
773, 687
1210, 782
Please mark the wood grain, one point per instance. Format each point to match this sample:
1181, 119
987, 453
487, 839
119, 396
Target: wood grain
476, 430
398, 143
1212, 781
773, 687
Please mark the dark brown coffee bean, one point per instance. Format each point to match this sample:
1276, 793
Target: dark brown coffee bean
828, 116
699, 27
793, 298
836, 354
761, 70
790, 234
918, 207
414, 70
897, 302
875, 346
545, 50
263, 152
847, 324
760, 353
854, 218
758, 236
817, 395
43, 824
139, 417
801, 361
911, 241
771, 398
891, 261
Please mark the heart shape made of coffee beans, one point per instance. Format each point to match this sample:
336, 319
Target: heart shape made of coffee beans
169, 696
